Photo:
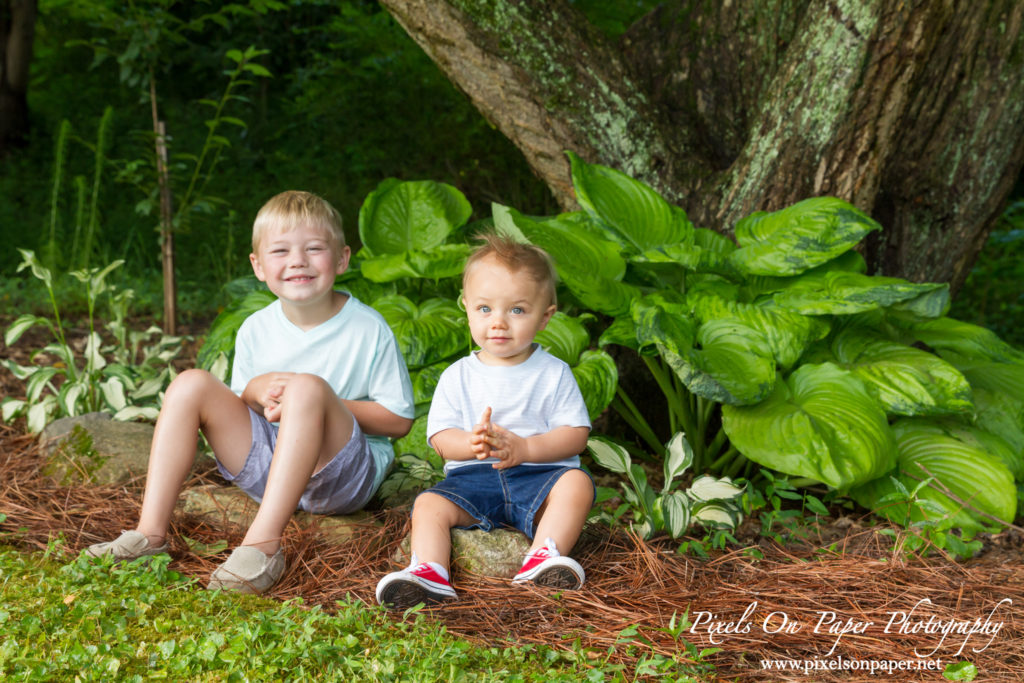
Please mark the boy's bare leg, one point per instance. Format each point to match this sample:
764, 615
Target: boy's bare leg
569, 503
195, 400
433, 517
315, 426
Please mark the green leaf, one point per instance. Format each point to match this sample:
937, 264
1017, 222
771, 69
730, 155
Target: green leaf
820, 423
678, 458
113, 393
981, 438
706, 488
40, 271
845, 293
427, 333
974, 476
10, 408
1002, 415
717, 515
659, 323
38, 415
564, 338
597, 378
221, 337
446, 260
787, 332
731, 363
799, 237
424, 382
638, 215
609, 455
38, 381
905, 380
412, 215
960, 671
622, 331
947, 335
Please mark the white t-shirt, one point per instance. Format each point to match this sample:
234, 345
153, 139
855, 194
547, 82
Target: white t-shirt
355, 352
530, 398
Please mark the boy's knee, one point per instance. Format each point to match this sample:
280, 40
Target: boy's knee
576, 486
306, 387
191, 381
431, 505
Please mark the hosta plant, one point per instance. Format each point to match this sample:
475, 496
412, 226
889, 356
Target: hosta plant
709, 501
126, 377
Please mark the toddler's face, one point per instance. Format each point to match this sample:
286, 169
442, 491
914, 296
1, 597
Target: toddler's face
506, 310
299, 265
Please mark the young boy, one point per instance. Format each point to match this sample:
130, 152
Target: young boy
317, 386
519, 464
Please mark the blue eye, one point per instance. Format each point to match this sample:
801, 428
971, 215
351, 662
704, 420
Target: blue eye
484, 309
518, 310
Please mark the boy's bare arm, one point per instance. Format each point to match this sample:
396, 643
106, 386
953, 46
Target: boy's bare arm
373, 418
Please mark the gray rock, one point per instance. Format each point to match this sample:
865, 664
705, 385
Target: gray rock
497, 553
94, 449
221, 507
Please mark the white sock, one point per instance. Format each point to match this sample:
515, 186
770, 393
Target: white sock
549, 545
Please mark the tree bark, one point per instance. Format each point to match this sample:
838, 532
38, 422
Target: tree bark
17, 31
907, 108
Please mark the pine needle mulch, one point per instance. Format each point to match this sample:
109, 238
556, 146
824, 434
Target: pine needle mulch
780, 607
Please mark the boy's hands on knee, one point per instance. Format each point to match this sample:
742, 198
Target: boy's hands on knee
273, 391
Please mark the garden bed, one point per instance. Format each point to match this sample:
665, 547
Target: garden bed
782, 605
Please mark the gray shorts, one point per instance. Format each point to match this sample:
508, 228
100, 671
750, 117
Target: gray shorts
344, 485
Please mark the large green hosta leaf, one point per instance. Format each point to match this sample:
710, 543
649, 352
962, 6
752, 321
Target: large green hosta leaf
638, 215
904, 380
1002, 415
595, 372
659, 323
446, 260
787, 332
820, 423
731, 363
590, 265
947, 335
411, 215
970, 474
981, 438
427, 333
845, 293
799, 237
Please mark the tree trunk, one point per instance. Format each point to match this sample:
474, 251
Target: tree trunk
907, 108
17, 31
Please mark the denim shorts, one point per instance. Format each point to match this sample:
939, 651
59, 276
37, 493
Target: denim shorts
344, 485
496, 498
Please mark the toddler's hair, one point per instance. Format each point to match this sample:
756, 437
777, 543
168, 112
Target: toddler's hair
293, 208
516, 256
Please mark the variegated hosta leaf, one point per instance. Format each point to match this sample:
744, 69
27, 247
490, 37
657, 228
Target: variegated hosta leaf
821, 423
622, 331
678, 458
597, 378
707, 488
11, 408
799, 237
675, 512
113, 393
427, 333
20, 326
756, 285
424, 381
787, 332
662, 324
905, 380
638, 215
970, 474
411, 215
718, 515
609, 455
946, 335
733, 364
843, 293
137, 413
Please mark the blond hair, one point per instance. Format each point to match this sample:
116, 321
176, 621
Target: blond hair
516, 256
292, 208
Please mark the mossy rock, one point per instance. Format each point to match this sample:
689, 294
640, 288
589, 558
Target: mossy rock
497, 553
94, 449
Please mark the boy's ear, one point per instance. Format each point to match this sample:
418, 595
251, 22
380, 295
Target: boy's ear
343, 259
257, 268
547, 316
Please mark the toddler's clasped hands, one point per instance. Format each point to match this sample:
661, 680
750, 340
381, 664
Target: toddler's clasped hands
489, 440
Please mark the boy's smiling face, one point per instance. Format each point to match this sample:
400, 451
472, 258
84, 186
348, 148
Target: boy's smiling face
506, 310
299, 265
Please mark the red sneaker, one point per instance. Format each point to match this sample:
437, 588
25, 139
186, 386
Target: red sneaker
411, 586
546, 568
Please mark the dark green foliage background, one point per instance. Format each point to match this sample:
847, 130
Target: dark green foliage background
352, 101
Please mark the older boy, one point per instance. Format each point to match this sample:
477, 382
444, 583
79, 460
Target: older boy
519, 464
317, 386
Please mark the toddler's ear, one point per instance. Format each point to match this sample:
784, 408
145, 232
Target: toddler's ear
257, 268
